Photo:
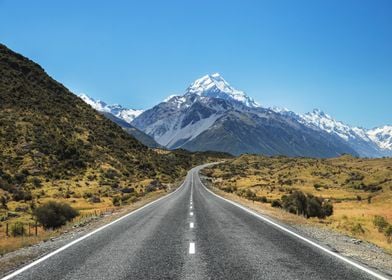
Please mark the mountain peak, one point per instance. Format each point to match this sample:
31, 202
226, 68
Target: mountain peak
215, 86
320, 113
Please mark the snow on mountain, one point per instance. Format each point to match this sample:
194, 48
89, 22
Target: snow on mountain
216, 87
382, 136
119, 111
364, 142
96, 104
212, 115
325, 122
280, 110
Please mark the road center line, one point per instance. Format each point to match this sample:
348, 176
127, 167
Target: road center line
192, 248
191, 214
191, 225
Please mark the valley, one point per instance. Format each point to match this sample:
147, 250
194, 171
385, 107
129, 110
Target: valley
184, 140
73, 169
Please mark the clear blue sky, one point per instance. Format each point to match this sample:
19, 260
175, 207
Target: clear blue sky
335, 55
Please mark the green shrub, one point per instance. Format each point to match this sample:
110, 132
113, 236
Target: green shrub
116, 201
317, 186
18, 229
19, 194
380, 223
36, 182
54, 214
262, 199
328, 209
295, 203
127, 190
306, 205
388, 233
276, 203
250, 195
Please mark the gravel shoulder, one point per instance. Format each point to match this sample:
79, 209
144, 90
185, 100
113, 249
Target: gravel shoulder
360, 251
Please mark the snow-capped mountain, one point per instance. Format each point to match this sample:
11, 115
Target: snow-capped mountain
125, 114
356, 137
215, 86
212, 115
382, 136
368, 143
325, 122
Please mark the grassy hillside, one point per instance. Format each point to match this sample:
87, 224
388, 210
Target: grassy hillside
359, 189
53, 146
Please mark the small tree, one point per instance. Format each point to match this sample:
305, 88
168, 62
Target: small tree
54, 214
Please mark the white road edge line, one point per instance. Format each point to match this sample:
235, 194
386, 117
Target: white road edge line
360, 267
192, 248
34, 263
191, 225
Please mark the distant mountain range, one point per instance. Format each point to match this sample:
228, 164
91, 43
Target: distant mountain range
116, 110
212, 115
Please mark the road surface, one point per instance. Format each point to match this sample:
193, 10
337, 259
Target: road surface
192, 234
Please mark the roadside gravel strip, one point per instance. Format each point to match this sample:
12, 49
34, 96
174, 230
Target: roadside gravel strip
194, 234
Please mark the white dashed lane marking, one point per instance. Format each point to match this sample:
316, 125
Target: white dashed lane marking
192, 248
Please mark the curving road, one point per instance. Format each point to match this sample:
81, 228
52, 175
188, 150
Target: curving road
192, 234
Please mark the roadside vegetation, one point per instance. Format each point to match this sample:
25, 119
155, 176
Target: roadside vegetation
55, 147
348, 194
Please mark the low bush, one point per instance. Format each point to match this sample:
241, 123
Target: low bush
388, 233
127, 190
54, 214
357, 229
262, 199
36, 182
380, 223
306, 205
17, 229
116, 201
276, 203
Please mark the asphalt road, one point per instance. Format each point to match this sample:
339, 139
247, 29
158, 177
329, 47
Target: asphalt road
192, 234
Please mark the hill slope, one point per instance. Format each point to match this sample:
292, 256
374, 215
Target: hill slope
55, 146
48, 130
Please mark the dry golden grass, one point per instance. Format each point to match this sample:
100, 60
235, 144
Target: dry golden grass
360, 189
